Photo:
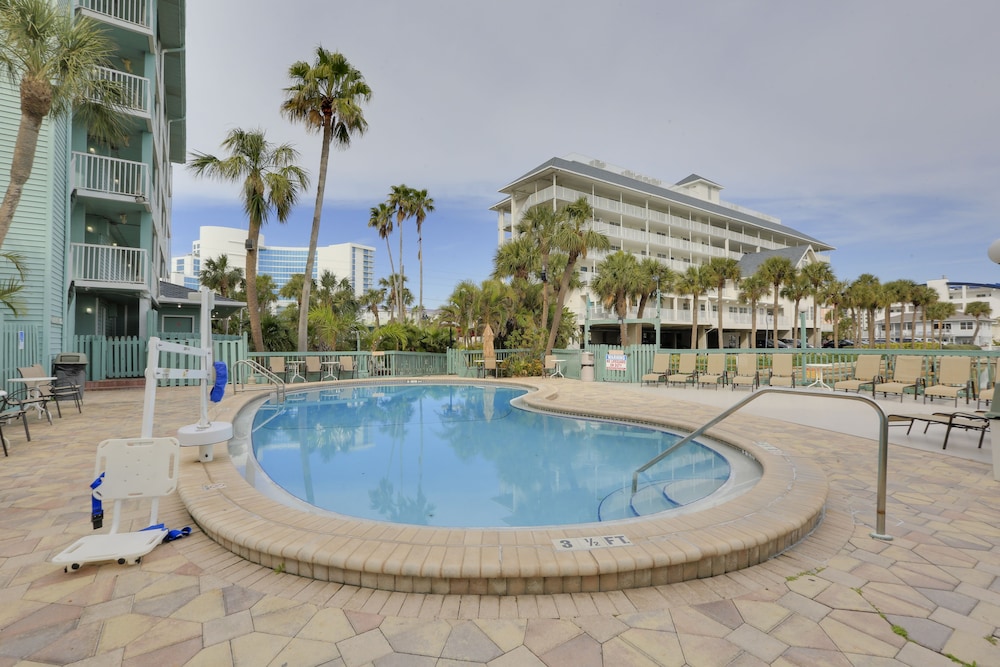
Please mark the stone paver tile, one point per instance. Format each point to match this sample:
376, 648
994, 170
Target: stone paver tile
897, 599
543, 634
519, 657
238, 598
961, 622
364, 648
109, 659
121, 630
362, 621
920, 656
761, 615
106, 610
798, 604
328, 624
601, 628
416, 636
689, 621
306, 653
972, 649
166, 605
505, 633
956, 602
172, 654
841, 597
219, 655
649, 620
925, 632
29, 617
257, 648
285, 622
723, 611
77, 644
850, 640
808, 585
228, 627
757, 642
205, 607
165, 633
707, 651
800, 656
637, 646
798, 631
987, 613
467, 642
401, 660
580, 651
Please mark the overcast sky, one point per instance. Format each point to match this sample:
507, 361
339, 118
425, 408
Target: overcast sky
870, 125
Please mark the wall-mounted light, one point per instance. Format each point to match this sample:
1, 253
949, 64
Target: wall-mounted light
89, 310
123, 218
90, 228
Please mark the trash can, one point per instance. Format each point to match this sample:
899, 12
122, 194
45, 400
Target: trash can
70, 369
587, 366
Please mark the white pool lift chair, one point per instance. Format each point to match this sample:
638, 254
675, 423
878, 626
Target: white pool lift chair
133, 469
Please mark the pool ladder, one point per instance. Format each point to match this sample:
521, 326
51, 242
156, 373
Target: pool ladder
883, 444
257, 369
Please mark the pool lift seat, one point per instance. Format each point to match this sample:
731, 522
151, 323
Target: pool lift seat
132, 469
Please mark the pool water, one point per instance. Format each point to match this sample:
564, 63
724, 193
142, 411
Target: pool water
460, 455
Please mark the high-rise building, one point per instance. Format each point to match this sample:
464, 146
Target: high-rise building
680, 225
344, 260
93, 225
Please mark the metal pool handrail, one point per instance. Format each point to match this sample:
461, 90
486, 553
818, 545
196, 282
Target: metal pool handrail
883, 444
259, 369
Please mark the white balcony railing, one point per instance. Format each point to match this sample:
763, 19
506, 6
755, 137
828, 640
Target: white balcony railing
135, 89
110, 266
110, 175
135, 12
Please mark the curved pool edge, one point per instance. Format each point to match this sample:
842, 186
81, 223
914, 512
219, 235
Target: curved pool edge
783, 508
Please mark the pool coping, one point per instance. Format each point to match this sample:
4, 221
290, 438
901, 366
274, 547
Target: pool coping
784, 506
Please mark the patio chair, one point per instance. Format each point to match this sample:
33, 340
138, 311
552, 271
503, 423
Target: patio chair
907, 373
687, 370
954, 378
25, 399
715, 371
490, 365
47, 392
661, 366
967, 421
278, 368
378, 364
867, 371
347, 366
314, 365
782, 371
986, 395
747, 374
127, 469
9, 413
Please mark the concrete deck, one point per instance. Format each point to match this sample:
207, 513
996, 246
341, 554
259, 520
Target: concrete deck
931, 596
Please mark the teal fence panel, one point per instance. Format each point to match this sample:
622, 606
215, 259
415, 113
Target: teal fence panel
20, 345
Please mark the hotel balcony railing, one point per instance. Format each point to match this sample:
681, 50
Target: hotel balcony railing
110, 267
135, 12
135, 89
109, 175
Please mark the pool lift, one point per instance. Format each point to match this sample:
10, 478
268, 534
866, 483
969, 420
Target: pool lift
148, 466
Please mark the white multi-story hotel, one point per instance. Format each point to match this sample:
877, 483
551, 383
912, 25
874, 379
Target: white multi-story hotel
344, 260
681, 225
960, 327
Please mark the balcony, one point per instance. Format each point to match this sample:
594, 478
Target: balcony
111, 178
110, 267
137, 98
132, 12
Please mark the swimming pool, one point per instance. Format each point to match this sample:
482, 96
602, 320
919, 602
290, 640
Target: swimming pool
462, 455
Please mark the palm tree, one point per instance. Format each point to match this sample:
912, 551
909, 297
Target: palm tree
719, 271
420, 206
52, 57
327, 97
921, 297
538, 225
655, 279
978, 310
380, 218
753, 288
616, 284
516, 260
896, 291
574, 238
371, 300
694, 282
939, 311
13, 284
795, 290
400, 200
219, 276
776, 271
819, 275
270, 183
834, 294
866, 295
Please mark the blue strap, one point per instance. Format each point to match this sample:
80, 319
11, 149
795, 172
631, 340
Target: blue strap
171, 534
221, 375
96, 506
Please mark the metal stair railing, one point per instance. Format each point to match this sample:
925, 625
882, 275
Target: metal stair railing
258, 369
883, 444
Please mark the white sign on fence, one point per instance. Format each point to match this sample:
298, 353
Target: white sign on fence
615, 361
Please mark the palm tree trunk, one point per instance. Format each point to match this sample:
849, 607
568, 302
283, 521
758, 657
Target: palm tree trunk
694, 321
420, 260
324, 158
560, 299
20, 168
719, 306
399, 279
253, 233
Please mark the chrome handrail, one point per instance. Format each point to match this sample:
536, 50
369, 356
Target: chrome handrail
883, 444
258, 369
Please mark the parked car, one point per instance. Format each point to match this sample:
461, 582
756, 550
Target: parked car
770, 343
791, 342
842, 343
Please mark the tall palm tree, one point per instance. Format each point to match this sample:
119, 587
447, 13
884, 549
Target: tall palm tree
834, 294
897, 291
217, 275
795, 290
538, 226
721, 270
327, 96
420, 206
776, 271
616, 284
516, 260
400, 199
866, 295
52, 57
939, 311
694, 282
921, 297
753, 288
380, 219
371, 300
819, 275
978, 310
574, 237
270, 183
655, 279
